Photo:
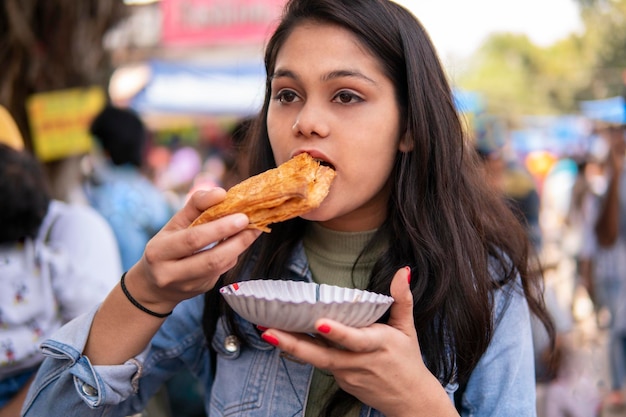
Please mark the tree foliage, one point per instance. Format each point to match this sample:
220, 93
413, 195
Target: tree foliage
605, 36
47, 45
518, 77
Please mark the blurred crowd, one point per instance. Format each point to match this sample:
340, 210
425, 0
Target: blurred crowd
58, 259
573, 205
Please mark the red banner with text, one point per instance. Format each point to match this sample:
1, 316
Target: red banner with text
218, 22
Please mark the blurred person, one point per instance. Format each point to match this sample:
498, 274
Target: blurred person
57, 261
609, 270
517, 186
122, 192
571, 393
118, 189
507, 175
211, 175
184, 165
157, 159
589, 185
559, 247
510, 178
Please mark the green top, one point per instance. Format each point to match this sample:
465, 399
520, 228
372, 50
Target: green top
331, 257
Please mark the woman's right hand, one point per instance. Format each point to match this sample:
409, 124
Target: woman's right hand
174, 267
177, 264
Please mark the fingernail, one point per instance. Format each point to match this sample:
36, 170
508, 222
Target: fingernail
324, 328
272, 340
408, 269
262, 328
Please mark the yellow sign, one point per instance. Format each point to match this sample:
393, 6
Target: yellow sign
59, 121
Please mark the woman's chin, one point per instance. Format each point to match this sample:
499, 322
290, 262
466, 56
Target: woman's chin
315, 216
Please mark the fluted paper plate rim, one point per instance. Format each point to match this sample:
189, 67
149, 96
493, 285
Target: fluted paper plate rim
297, 305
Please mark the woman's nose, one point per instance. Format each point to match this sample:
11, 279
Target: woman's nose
311, 122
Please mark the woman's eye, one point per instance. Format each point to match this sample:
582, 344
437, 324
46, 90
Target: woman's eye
286, 96
346, 97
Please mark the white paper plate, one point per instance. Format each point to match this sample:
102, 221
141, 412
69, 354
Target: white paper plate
296, 305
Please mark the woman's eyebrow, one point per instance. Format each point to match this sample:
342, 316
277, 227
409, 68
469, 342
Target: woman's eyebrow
280, 73
347, 73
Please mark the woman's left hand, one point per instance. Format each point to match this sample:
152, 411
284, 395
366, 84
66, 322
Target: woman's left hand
381, 364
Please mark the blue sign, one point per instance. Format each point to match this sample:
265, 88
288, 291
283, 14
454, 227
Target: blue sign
176, 87
611, 110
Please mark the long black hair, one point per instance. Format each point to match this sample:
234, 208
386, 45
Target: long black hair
24, 195
445, 222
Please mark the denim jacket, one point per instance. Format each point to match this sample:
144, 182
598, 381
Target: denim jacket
255, 380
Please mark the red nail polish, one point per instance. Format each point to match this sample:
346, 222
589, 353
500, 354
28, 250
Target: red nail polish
408, 269
270, 339
324, 328
262, 328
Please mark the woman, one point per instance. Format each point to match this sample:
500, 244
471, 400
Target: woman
358, 85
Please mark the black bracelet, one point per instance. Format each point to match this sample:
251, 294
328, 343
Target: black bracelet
136, 303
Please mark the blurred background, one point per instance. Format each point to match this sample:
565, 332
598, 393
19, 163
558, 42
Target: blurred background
191, 68
532, 80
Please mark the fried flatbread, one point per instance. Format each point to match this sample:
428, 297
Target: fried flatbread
293, 188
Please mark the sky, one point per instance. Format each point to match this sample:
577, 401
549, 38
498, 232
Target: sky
458, 27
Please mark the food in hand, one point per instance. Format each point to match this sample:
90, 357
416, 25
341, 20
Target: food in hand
290, 190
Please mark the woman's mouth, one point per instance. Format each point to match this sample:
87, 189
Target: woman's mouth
325, 163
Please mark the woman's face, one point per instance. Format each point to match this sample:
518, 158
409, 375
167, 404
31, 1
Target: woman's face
330, 98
